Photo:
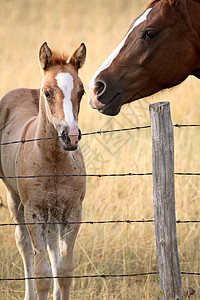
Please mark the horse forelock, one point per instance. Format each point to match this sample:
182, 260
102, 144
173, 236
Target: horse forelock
170, 2
59, 58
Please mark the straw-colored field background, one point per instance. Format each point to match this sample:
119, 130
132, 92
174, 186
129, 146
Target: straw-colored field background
114, 248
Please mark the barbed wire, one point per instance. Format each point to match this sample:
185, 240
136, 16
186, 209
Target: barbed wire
99, 132
76, 175
186, 125
83, 134
94, 222
80, 222
105, 276
94, 175
82, 276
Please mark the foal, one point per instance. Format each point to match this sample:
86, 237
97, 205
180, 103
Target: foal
32, 114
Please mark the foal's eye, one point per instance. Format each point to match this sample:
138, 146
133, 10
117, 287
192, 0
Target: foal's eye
149, 34
47, 94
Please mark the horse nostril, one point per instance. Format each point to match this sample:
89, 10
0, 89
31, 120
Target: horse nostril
99, 88
79, 134
64, 135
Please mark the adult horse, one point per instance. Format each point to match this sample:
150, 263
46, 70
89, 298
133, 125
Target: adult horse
160, 49
49, 112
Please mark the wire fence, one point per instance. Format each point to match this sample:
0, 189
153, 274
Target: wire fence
94, 175
99, 132
105, 276
93, 222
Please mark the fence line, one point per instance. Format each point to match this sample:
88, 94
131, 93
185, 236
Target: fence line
94, 175
105, 276
83, 134
81, 276
99, 132
76, 175
80, 222
96, 132
94, 222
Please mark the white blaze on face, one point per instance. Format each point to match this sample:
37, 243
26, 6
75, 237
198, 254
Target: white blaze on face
114, 54
66, 83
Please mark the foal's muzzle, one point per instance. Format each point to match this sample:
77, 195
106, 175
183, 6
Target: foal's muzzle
70, 138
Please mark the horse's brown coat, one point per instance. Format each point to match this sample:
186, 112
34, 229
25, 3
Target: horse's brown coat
159, 53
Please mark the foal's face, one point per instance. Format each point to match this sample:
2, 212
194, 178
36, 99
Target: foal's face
158, 52
62, 91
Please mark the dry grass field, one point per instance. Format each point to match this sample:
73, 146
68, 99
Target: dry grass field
110, 248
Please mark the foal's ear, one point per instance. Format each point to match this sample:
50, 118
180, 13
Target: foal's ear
78, 58
45, 56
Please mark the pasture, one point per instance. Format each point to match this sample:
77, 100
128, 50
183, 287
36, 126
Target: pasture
110, 248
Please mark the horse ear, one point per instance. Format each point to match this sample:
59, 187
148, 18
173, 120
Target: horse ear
78, 58
45, 56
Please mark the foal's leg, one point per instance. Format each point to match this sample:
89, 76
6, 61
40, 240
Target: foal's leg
23, 241
53, 249
68, 234
38, 234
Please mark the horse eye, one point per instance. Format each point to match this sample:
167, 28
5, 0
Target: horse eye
48, 96
149, 34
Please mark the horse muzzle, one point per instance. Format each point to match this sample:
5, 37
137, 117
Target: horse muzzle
107, 101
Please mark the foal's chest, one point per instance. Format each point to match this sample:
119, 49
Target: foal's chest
56, 184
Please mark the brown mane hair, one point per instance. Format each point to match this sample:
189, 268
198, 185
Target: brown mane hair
170, 2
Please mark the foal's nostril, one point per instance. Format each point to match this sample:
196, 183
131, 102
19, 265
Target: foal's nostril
99, 88
79, 134
64, 135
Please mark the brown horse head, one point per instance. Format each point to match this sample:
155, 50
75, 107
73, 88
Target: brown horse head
160, 49
61, 92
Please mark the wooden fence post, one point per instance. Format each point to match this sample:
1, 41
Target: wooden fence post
164, 201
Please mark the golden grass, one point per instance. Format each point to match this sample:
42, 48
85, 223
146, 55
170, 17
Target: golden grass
104, 249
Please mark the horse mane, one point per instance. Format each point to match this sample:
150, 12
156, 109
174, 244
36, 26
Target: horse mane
59, 58
170, 2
